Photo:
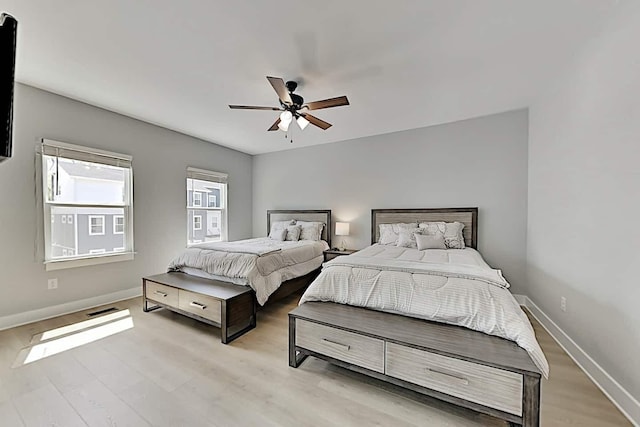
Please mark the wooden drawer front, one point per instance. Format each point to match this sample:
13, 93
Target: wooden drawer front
481, 384
202, 305
346, 346
162, 293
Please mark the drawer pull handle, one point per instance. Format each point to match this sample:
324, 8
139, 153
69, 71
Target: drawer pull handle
344, 346
448, 374
198, 305
162, 294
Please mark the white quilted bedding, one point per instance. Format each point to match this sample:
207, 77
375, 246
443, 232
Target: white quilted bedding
454, 286
262, 263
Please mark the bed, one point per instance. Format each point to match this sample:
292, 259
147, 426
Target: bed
437, 321
272, 268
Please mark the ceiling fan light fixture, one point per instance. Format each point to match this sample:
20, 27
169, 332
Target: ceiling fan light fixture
285, 120
302, 122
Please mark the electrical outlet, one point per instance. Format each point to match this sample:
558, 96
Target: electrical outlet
563, 304
52, 284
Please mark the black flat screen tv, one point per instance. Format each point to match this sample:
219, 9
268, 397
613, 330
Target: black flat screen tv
8, 32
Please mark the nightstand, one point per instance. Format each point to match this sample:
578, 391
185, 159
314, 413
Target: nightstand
332, 253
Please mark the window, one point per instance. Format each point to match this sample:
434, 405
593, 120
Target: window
118, 224
197, 198
85, 187
96, 225
206, 222
197, 222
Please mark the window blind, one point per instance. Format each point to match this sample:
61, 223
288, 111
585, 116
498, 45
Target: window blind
205, 175
70, 151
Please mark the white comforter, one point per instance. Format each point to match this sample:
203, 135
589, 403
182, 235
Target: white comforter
258, 262
451, 286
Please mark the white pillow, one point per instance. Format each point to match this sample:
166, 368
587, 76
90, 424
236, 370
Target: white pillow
281, 225
293, 233
389, 232
452, 231
407, 238
278, 234
311, 230
430, 241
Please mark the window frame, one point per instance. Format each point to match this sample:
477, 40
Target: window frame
91, 233
214, 177
193, 196
115, 225
81, 153
199, 228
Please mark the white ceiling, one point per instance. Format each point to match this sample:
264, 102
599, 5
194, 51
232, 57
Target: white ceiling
403, 64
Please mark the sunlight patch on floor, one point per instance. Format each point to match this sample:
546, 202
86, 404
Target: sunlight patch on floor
75, 335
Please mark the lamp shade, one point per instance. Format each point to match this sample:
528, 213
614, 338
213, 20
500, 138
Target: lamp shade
342, 228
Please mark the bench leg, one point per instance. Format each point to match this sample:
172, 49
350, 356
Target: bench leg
296, 357
531, 401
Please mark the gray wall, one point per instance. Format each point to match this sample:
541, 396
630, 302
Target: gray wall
480, 162
160, 159
584, 199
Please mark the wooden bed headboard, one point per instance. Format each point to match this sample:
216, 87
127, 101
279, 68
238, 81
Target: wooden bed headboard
467, 216
303, 215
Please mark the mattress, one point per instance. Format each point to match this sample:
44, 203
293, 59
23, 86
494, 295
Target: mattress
261, 263
454, 286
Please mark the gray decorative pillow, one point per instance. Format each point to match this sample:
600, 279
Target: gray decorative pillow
452, 231
407, 238
278, 234
389, 233
281, 225
293, 233
430, 241
311, 230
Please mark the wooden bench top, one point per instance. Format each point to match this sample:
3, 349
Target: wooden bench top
213, 288
448, 340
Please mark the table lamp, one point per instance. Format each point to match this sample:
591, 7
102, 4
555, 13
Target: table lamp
342, 229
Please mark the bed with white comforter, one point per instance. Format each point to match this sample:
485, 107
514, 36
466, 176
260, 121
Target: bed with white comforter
454, 286
262, 263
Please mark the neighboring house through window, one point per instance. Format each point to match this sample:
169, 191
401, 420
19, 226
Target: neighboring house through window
206, 222
84, 191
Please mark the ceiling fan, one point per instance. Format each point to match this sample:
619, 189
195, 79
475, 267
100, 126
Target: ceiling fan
293, 106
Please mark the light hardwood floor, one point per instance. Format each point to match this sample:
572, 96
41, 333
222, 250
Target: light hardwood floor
169, 370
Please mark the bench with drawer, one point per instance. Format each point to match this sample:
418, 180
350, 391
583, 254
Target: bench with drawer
230, 307
460, 366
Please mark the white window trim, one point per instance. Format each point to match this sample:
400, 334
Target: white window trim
122, 160
115, 223
97, 251
194, 222
199, 194
215, 200
91, 233
64, 219
119, 249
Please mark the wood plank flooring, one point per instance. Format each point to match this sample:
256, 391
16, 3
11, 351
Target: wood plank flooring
169, 370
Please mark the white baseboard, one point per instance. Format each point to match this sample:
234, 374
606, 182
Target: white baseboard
620, 397
19, 319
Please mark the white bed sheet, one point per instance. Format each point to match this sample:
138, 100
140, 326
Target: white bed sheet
239, 263
413, 283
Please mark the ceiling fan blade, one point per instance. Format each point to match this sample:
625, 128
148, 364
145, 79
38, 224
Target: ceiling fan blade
316, 121
252, 107
275, 125
281, 89
327, 103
